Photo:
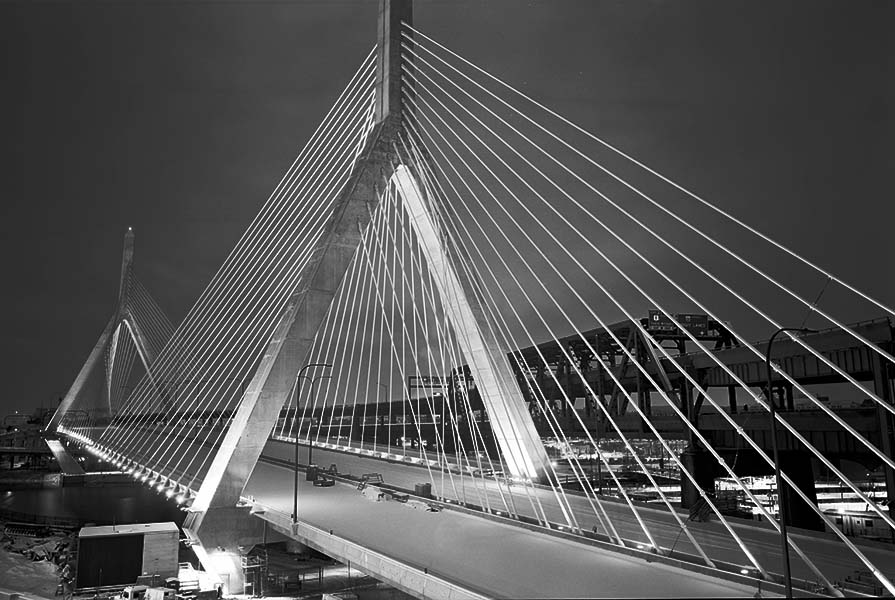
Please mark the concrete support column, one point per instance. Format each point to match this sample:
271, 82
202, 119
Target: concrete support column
646, 407
357, 425
540, 377
559, 375
732, 398
882, 384
702, 466
686, 399
797, 465
584, 369
641, 383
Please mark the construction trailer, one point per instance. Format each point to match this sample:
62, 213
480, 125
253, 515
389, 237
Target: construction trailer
119, 554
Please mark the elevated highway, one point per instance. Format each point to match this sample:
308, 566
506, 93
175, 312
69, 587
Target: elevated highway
474, 506
840, 348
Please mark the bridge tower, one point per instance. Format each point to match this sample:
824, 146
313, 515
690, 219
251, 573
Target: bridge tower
215, 521
122, 320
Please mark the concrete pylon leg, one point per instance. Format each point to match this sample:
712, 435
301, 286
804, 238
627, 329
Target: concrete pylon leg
227, 535
93, 362
511, 422
289, 346
144, 351
286, 352
110, 368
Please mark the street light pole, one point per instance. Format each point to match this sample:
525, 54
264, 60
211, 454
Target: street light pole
784, 539
295, 463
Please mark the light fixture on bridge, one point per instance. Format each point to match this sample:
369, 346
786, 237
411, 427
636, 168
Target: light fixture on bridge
185, 498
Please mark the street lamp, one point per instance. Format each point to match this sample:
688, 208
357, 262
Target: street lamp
784, 540
295, 464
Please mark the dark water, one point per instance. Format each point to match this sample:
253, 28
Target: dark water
101, 505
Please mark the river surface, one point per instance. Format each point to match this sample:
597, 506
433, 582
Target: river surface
102, 505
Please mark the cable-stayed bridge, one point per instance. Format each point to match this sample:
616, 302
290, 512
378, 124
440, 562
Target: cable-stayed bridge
432, 289
137, 329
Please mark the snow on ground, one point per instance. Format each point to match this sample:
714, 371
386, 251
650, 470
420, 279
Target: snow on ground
20, 574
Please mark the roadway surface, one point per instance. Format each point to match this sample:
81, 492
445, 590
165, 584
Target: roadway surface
826, 551
495, 559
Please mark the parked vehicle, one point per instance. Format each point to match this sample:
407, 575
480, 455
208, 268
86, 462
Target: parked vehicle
133, 592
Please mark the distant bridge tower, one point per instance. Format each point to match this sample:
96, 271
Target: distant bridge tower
121, 322
211, 521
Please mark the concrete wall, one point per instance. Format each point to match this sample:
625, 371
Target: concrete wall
160, 551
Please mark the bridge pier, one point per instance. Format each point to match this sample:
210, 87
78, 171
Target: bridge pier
704, 469
882, 383
222, 536
796, 464
732, 398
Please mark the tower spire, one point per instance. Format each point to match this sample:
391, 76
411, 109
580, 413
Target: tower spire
127, 259
388, 61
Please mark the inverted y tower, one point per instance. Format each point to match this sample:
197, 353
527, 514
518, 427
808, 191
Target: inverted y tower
211, 520
122, 318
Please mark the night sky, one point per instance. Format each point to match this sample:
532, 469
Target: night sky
179, 118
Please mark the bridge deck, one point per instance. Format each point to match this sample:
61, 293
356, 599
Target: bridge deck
488, 557
825, 550
270, 487
67, 464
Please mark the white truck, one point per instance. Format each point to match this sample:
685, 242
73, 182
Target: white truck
159, 593
133, 592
